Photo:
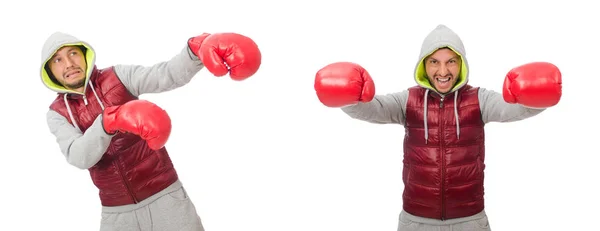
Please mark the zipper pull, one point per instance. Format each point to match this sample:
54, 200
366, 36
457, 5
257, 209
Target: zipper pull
85, 101
442, 102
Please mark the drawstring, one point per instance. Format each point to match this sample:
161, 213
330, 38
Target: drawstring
425, 115
69, 107
456, 115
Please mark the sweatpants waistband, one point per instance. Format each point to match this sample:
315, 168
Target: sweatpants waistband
126, 208
430, 221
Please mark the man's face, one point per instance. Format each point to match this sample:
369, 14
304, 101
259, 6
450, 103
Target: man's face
443, 67
68, 67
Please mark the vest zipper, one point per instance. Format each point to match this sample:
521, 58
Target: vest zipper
442, 159
127, 186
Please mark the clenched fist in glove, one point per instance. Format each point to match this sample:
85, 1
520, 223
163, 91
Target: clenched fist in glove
223, 53
534, 85
139, 117
343, 83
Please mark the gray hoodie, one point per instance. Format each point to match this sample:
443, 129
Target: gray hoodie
84, 150
391, 108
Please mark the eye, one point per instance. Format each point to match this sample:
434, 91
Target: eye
56, 60
432, 61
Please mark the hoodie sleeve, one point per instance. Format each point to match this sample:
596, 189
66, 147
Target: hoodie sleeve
160, 77
495, 109
82, 150
383, 109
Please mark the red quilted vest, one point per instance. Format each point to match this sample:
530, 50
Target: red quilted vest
443, 169
129, 171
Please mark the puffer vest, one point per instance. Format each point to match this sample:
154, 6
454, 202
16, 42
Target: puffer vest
443, 154
129, 171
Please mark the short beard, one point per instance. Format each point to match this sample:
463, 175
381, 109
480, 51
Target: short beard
433, 80
76, 85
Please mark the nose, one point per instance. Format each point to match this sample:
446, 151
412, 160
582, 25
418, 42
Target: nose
69, 63
443, 71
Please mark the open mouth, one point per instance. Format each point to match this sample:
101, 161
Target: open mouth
72, 73
443, 80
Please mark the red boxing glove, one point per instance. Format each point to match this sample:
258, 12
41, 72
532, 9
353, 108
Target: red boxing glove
139, 117
344, 83
227, 52
534, 85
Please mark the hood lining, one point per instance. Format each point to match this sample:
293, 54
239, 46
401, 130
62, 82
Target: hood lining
89, 55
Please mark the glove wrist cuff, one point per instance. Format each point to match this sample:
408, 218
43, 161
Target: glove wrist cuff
108, 118
194, 43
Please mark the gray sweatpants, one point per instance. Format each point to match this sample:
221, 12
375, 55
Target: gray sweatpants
477, 222
169, 210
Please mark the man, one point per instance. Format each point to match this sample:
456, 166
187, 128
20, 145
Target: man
444, 119
102, 126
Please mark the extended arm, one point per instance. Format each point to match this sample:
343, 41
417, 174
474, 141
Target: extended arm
220, 53
350, 87
82, 150
528, 90
383, 109
160, 77
495, 109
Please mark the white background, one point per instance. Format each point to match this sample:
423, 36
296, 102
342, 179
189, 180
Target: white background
264, 154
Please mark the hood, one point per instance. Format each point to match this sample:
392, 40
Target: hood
56, 41
440, 37
53, 44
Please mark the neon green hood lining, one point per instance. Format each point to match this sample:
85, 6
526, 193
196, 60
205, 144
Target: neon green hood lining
441, 37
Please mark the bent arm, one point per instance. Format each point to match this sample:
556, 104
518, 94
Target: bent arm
82, 150
383, 109
495, 109
160, 77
